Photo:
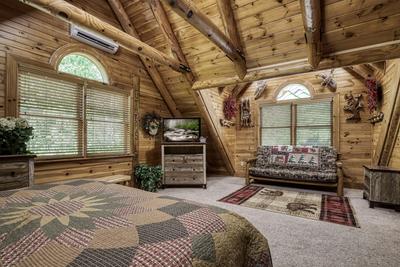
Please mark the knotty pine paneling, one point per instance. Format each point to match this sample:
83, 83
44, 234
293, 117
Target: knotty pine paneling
35, 35
354, 139
389, 80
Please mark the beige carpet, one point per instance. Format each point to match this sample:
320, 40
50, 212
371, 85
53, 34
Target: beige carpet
301, 242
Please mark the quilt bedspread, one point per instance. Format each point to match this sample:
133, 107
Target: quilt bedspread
86, 223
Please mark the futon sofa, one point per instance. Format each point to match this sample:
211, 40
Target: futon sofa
314, 165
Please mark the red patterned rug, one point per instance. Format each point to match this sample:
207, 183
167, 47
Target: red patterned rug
321, 207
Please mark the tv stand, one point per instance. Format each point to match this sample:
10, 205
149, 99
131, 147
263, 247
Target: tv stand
184, 164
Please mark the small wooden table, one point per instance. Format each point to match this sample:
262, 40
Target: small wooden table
16, 171
382, 185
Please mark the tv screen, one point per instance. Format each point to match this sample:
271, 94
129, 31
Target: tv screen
181, 130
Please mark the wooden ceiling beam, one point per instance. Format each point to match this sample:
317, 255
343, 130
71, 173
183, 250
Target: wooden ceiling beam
230, 25
154, 74
202, 98
361, 55
188, 11
360, 71
163, 21
240, 89
311, 13
74, 15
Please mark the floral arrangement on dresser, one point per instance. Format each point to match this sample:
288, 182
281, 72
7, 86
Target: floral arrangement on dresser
14, 136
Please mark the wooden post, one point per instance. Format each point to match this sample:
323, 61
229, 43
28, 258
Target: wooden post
154, 74
72, 14
311, 12
188, 11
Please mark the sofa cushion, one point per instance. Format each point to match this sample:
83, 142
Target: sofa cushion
313, 158
294, 174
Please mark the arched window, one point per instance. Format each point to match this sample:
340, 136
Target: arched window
84, 66
293, 91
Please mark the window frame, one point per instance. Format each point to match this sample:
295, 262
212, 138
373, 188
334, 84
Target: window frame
14, 63
91, 58
293, 103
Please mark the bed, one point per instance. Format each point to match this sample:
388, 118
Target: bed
91, 223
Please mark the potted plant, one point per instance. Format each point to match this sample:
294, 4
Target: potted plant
16, 162
148, 177
14, 136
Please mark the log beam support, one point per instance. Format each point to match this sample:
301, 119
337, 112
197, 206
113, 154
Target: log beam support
188, 11
361, 55
202, 99
154, 74
311, 12
229, 21
74, 15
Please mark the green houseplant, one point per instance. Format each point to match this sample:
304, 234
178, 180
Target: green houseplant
148, 177
14, 136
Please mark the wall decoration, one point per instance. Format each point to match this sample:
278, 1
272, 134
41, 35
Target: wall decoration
226, 123
260, 88
374, 99
151, 123
353, 105
328, 81
245, 114
230, 108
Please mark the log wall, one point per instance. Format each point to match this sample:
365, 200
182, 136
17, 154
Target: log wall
389, 80
36, 36
353, 140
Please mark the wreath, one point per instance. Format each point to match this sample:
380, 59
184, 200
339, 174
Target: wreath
151, 122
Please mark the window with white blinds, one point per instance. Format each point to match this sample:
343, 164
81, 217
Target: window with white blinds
71, 119
276, 125
107, 117
53, 107
312, 124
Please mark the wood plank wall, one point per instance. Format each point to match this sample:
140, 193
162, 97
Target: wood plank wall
354, 139
389, 80
34, 35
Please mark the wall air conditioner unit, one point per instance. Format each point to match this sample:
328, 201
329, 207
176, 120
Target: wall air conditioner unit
94, 39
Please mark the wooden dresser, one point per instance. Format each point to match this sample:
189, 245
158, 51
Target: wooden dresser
184, 164
382, 185
16, 171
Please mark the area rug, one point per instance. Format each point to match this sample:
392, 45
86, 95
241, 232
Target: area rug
313, 206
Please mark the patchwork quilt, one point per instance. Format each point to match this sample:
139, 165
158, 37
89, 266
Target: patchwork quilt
86, 223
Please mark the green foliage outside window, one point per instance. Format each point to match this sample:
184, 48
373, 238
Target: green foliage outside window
81, 66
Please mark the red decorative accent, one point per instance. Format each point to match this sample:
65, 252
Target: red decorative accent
337, 210
243, 194
230, 108
372, 86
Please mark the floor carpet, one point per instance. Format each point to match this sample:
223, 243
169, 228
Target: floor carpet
312, 206
296, 241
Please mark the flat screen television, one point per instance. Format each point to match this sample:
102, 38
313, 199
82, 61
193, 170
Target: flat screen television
181, 130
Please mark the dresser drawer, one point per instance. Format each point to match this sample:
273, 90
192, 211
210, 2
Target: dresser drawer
183, 159
173, 177
183, 168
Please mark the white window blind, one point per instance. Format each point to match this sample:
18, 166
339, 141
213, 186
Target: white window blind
53, 107
314, 123
107, 117
276, 125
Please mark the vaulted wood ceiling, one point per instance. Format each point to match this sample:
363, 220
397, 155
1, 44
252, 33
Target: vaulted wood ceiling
271, 33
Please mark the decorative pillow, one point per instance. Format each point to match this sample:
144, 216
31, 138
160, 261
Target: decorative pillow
303, 159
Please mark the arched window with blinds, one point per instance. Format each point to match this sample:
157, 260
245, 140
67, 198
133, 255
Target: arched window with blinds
296, 120
71, 116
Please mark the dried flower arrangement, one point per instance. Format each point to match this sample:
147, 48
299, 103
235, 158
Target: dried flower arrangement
230, 107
